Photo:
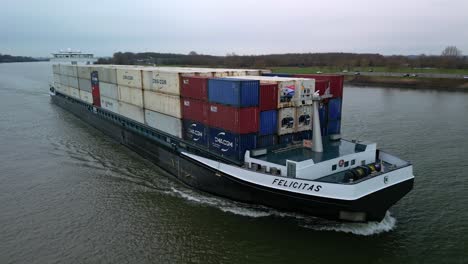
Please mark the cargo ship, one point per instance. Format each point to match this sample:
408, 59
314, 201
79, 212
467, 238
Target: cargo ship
247, 135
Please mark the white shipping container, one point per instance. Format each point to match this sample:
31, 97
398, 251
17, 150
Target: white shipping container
84, 72
69, 70
63, 79
56, 68
86, 96
305, 89
106, 73
56, 78
63, 89
110, 104
304, 116
286, 120
129, 77
163, 82
253, 72
109, 90
220, 74
165, 123
84, 84
74, 92
131, 95
58, 87
131, 111
73, 82
162, 103
237, 73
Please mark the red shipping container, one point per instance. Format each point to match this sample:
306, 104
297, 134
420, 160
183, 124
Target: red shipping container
195, 110
336, 82
238, 120
268, 97
195, 87
322, 86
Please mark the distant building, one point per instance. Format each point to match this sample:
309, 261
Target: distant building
73, 57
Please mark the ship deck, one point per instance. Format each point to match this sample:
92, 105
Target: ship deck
298, 153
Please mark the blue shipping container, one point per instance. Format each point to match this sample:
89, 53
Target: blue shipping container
195, 132
334, 109
334, 127
286, 139
234, 92
278, 74
268, 122
229, 144
323, 118
267, 141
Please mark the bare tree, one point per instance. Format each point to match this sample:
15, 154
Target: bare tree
451, 51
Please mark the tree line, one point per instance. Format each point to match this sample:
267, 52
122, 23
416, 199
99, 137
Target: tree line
10, 58
449, 58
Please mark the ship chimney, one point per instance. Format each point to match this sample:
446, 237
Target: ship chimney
317, 145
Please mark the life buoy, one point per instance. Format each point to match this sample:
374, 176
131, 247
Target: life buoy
341, 163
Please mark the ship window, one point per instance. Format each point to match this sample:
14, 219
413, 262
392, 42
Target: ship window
334, 167
353, 162
346, 164
363, 162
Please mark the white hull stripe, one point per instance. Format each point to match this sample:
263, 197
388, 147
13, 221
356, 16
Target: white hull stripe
312, 188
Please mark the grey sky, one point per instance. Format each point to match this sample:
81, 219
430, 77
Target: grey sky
38, 28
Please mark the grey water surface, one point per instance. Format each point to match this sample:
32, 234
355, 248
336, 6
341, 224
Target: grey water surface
69, 194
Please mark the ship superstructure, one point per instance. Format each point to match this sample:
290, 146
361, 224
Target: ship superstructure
73, 56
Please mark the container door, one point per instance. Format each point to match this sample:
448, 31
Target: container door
95, 89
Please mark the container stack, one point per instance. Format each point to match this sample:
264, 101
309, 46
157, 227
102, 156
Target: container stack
233, 116
293, 108
330, 84
194, 105
330, 109
221, 114
68, 81
175, 99
227, 111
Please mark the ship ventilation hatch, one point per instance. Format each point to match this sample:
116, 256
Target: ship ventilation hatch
291, 166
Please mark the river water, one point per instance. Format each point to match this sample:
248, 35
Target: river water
69, 194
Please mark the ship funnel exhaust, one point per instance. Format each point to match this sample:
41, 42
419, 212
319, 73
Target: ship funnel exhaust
317, 144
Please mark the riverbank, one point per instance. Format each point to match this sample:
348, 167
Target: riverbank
412, 83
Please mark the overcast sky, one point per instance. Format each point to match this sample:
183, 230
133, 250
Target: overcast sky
37, 28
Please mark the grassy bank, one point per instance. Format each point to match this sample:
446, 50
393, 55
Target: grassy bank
397, 82
365, 69
416, 83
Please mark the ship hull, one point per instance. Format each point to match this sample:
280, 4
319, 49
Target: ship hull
207, 179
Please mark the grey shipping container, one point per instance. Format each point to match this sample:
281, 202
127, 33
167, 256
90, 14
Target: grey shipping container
132, 111
73, 82
106, 74
109, 90
84, 84
110, 104
165, 123
84, 72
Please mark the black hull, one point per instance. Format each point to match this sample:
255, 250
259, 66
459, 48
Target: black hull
204, 178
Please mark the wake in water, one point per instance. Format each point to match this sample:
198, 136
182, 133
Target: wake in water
314, 223
363, 229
